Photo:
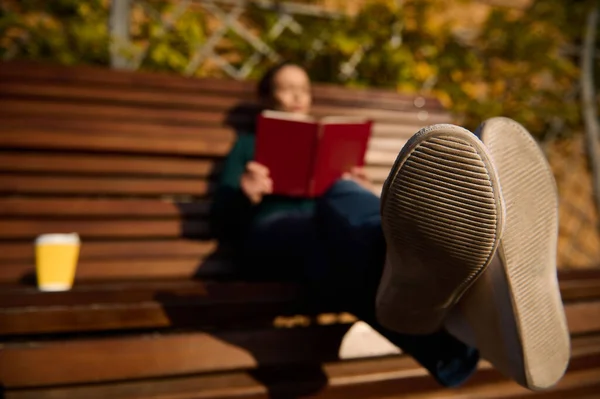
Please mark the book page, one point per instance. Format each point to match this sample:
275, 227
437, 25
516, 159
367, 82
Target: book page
288, 116
328, 120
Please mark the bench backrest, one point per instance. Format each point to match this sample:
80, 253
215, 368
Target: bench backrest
128, 160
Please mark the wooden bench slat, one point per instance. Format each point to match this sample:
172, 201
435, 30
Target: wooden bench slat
84, 75
579, 289
25, 184
382, 158
23, 252
155, 314
134, 306
116, 95
101, 208
111, 143
420, 118
377, 173
115, 291
213, 134
380, 149
181, 292
387, 144
95, 112
502, 388
404, 131
63, 362
131, 268
388, 377
49, 363
104, 164
141, 96
236, 383
197, 117
126, 165
158, 312
31, 123
26, 311
29, 229
583, 317
393, 376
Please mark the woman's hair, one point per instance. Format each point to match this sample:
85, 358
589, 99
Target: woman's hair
265, 86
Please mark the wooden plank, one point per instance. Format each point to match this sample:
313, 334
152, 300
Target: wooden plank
501, 388
131, 268
76, 361
31, 87
169, 100
116, 95
23, 252
105, 164
116, 112
377, 173
577, 275
84, 75
180, 292
583, 317
120, 128
391, 139
398, 117
122, 306
26, 311
235, 384
25, 184
197, 117
387, 144
380, 158
398, 131
106, 228
111, 143
372, 97
395, 377
199, 249
173, 308
87, 74
100, 208
142, 356
588, 285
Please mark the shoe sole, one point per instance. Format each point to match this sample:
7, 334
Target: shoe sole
530, 315
442, 216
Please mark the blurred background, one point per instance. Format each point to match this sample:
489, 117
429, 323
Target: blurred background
533, 61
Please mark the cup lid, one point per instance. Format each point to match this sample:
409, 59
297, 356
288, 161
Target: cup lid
72, 238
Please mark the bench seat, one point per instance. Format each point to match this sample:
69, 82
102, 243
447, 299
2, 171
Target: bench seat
129, 161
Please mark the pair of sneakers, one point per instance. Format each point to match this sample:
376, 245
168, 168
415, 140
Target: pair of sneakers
471, 225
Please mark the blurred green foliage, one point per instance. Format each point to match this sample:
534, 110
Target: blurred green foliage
519, 64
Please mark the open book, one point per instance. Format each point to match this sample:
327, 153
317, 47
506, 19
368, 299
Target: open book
307, 155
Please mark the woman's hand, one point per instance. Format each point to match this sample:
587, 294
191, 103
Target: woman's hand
255, 182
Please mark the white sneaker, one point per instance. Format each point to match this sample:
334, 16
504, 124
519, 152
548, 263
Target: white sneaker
442, 215
515, 310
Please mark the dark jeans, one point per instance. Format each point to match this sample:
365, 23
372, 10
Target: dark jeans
340, 248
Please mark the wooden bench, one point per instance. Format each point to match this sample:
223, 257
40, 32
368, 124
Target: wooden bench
128, 160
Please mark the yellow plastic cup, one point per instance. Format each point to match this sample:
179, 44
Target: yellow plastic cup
56, 261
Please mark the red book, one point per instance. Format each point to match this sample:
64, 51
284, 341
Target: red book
306, 156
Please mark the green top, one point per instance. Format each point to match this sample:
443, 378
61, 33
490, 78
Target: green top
232, 212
